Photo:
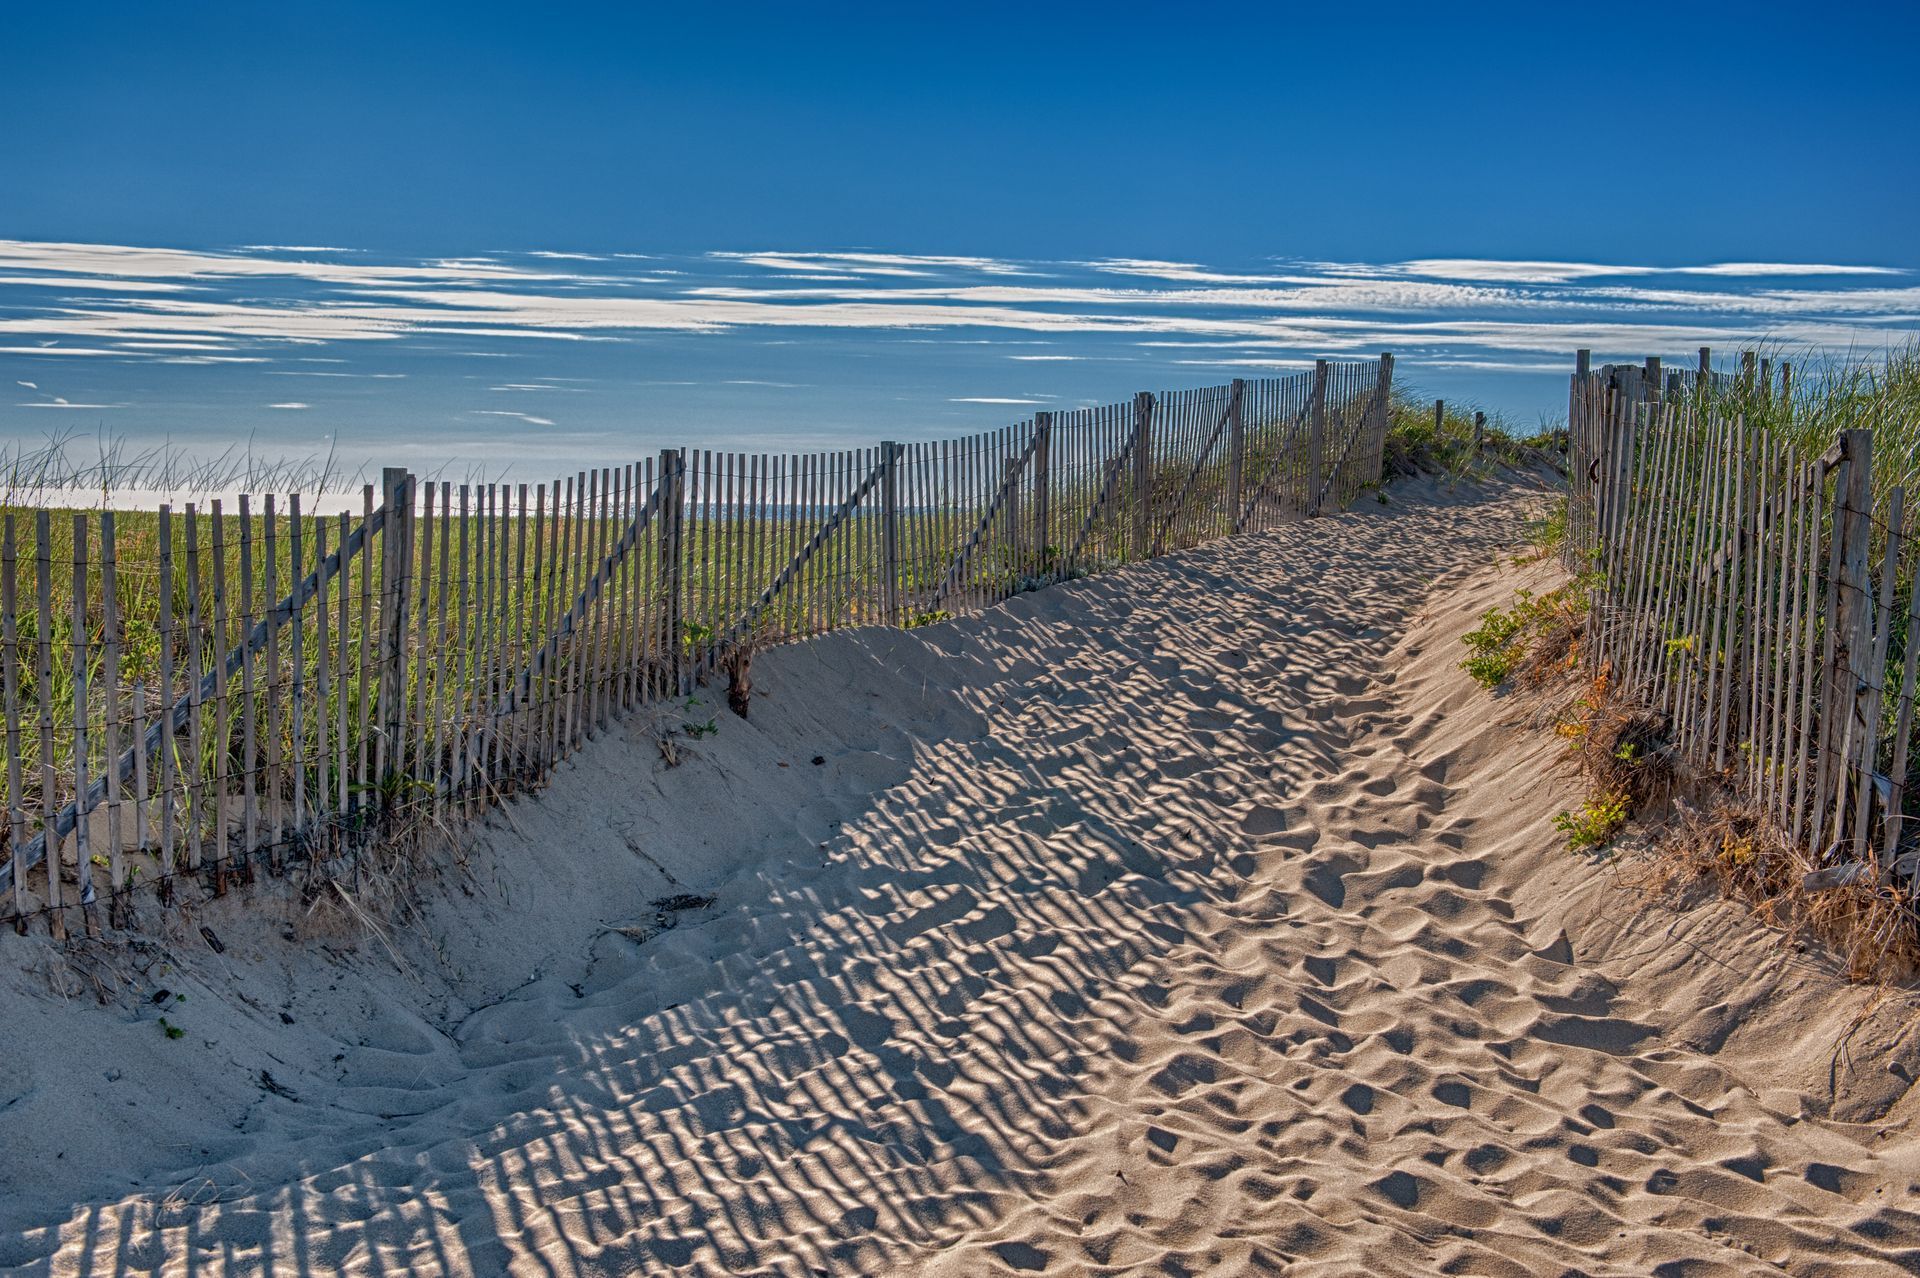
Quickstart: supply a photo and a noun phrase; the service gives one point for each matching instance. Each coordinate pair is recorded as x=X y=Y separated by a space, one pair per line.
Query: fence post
x=673 y=516
x=1479 y=430
x=1042 y=493
x=1383 y=411
x=1852 y=619
x=1317 y=436
x=1579 y=458
x=1236 y=453
x=1142 y=472
x=1603 y=421
x=396 y=556
x=889 y=533
x=1582 y=370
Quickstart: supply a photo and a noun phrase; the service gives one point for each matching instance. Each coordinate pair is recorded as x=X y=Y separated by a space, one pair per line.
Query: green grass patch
x=1534 y=633
x=1593 y=825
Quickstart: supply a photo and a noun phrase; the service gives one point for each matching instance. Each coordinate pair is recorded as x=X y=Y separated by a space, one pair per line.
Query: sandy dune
x=1198 y=919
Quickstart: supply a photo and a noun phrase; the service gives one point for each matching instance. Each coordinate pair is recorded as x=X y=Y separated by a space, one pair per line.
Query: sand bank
x=1202 y=918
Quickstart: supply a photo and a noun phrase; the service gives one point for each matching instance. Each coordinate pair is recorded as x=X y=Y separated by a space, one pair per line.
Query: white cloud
x=1310 y=294
x=28 y=385
x=1488 y=270
x=290 y=404
x=124 y=262
x=991 y=399
x=1537 y=272
x=58 y=402
x=874 y=263
x=76 y=281
x=1189 y=272
x=525 y=417
x=1783 y=268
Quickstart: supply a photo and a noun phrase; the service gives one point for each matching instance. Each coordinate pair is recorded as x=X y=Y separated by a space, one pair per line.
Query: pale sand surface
x=1198 y=919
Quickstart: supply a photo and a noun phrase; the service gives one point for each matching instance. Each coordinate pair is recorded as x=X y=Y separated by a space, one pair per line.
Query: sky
x=798 y=226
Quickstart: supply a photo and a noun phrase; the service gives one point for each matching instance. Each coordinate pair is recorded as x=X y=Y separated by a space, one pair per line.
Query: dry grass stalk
x=1704 y=831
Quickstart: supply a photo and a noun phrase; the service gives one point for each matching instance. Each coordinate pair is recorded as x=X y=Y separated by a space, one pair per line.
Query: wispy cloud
x=1186 y=272
x=1783 y=268
x=290 y=404
x=1528 y=272
x=59 y=402
x=123 y=262
x=158 y=327
x=240 y=317
x=83 y=282
x=528 y=418
x=875 y=263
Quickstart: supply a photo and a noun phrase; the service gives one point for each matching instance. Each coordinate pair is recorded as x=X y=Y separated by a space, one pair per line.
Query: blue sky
x=1291 y=175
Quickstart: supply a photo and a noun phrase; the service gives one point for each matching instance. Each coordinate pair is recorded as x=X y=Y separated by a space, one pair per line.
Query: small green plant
x=1593 y=824
x=1492 y=642
x=707 y=729
x=1549 y=532
x=1537 y=629
x=170 y=1029
x=928 y=618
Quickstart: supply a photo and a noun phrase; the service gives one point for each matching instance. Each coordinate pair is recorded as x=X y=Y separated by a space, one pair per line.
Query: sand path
x=1197 y=919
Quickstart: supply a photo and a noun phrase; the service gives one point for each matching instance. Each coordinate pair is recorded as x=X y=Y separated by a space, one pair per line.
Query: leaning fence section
x=197 y=695
x=1755 y=593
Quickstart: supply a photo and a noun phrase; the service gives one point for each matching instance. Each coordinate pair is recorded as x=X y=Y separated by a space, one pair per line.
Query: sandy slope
x=1197 y=919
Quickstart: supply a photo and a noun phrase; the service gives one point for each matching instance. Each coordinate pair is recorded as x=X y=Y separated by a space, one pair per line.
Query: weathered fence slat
x=10 y=670
x=1873 y=677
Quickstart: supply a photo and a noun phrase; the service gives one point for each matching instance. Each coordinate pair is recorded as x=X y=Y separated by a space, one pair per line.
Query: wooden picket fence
x=1756 y=597
x=192 y=696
